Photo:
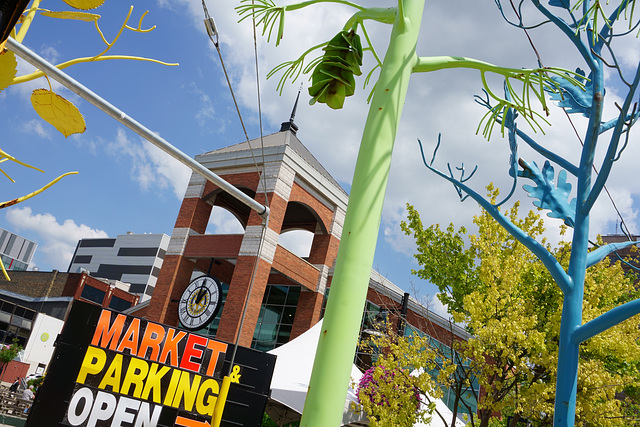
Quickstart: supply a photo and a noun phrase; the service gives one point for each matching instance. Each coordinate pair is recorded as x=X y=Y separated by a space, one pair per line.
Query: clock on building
x=199 y=303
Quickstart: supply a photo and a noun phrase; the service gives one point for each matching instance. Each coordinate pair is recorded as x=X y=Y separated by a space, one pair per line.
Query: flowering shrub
x=389 y=397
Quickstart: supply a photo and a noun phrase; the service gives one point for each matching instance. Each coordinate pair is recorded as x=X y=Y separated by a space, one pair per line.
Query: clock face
x=199 y=303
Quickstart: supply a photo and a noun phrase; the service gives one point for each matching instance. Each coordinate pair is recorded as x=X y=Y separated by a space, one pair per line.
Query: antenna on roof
x=285 y=126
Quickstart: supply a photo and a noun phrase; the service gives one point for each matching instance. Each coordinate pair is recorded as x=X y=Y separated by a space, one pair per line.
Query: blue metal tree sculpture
x=593 y=28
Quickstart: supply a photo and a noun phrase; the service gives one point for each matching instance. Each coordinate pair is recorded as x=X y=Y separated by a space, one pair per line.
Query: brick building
x=288 y=291
x=52 y=292
x=284 y=293
x=628 y=256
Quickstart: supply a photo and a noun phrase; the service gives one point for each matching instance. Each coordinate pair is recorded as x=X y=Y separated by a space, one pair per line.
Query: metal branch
x=563 y=280
x=605 y=321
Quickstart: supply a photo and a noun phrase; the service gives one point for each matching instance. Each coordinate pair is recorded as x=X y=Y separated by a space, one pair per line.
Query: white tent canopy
x=291 y=376
x=290 y=383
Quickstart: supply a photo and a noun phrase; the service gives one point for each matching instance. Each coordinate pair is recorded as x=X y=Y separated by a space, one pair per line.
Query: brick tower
x=301 y=196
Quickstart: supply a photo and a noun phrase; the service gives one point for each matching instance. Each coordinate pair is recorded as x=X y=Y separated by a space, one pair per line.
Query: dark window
x=155 y=271
x=12 y=240
x=161 y=253
x=82 y=259
x=97 y=243
x=137 y=288
x=118 y=304
x=93 y=294
x=137 y=251
x=149 y=290
x=30 y=248
x=114 y=271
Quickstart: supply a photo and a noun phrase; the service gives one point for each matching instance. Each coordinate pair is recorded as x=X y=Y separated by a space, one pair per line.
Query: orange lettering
x=216 y=347
x=171 y=347
x=108 y=336
x=152 y=339
x=130 y=339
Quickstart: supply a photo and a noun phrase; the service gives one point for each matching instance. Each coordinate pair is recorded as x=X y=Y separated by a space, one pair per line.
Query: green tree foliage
x=8 y=353
x=512 y=308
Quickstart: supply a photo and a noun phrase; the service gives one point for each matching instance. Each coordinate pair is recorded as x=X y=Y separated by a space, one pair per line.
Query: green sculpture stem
x=303 y=4
x=341 y=325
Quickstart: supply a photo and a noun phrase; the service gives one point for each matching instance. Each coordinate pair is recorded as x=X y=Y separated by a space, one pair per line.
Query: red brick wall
x=296 y=268
x=194 y=214
x=173 y=278
x=14 y=369
x=324 y=249
x=238 y=291
x=307 y=312
x=299 y=194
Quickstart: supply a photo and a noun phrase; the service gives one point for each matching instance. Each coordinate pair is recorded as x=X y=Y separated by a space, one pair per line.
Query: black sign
x=110 y=369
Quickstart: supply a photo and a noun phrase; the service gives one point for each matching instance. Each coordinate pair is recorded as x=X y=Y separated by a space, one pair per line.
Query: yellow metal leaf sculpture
x=70 y=14
x=57 y=111
x=8 y=67
x=84 y=4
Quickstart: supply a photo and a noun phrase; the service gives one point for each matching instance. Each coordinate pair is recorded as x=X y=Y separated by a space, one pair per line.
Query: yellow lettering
x=187 y=390
x=153 y=383
x=94 y=360
x=136 y=373
x=171 y=390
x=206 y=400
x=113 y=375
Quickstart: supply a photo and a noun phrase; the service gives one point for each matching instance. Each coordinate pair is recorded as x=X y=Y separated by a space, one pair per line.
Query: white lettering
x=82 y=395
x=103 y=408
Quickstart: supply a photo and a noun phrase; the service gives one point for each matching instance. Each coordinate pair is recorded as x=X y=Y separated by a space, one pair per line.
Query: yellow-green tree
x=512 y=308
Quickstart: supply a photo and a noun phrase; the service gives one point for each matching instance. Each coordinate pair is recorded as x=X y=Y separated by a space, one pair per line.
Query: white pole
x=64 y=79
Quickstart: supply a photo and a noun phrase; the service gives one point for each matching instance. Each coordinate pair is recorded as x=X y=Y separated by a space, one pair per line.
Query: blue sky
x=125 y=184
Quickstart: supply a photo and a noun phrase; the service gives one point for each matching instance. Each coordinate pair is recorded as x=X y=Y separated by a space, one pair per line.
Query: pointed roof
x=286 y=139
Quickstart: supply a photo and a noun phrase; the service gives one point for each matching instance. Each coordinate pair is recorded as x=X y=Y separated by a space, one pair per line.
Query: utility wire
x=213 y=35
x=212 y=31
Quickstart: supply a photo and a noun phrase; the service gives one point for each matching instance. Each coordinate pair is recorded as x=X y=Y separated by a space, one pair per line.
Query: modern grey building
x=16 y=251
x=131 y=258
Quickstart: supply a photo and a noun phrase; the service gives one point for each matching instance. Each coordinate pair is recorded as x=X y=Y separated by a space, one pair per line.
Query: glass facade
x=276 y=317
x=275 y=320
x=469 y=395
x=13 y=264
x=373 y=321
x=15 y=323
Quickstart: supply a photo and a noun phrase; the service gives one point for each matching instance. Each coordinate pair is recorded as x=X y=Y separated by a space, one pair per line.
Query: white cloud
x=297 y=241
x=151 y=167
x=57 y=240
x=436 y=306
x=222 y=221
x=37 y=127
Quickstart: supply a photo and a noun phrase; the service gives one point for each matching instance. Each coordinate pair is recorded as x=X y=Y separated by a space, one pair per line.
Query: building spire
x=285 y=126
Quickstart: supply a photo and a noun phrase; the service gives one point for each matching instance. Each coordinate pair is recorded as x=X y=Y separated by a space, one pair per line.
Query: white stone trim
x=196 y=186
x=251 y=243
x=178 y=242
x=321 y=287
x=338 y=223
